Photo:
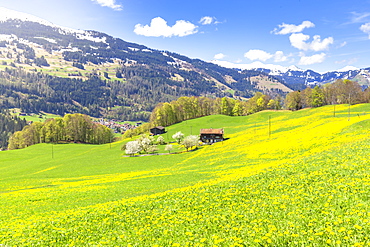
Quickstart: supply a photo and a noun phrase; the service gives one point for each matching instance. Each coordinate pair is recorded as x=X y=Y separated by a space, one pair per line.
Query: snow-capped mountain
x=12 y=15
x=8 y=14
x=299 y=79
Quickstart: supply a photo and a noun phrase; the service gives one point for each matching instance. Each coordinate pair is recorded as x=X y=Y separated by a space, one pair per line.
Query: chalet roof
x=158 y=127
x=212 y=131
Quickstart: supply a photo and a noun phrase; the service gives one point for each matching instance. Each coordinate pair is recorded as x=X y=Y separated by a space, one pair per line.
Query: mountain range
x=46 y=67
x=297 y=78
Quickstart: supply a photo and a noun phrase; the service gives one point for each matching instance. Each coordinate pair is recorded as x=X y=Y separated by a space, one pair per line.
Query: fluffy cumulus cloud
x=366 y=28
x=206 y=20
x=291 y=28
x=298 y=40
x=308 y=60
x=158 y=27
x=219 y=56
x=264 y=56
x=109 y=3
x=257 y=55
x=280 y=57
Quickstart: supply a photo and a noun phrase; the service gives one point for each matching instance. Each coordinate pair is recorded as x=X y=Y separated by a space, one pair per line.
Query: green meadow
x=280 y=178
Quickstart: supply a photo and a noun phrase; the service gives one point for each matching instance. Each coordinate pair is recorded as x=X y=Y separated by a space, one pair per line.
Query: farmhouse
x=211 y=135
x=158 y=130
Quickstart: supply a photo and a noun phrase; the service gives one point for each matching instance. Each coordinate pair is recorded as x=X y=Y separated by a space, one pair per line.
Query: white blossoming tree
x=160 y=140
x=168 y=148
x=178 y=136
x=190 y=141
x=132 y=148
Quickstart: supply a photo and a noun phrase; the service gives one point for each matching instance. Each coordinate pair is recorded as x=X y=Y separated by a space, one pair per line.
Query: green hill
x=300 y=179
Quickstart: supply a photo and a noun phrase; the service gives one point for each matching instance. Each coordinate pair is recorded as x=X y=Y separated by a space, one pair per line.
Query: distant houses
x=211 y=135
x=158 y=130
x=117 y=125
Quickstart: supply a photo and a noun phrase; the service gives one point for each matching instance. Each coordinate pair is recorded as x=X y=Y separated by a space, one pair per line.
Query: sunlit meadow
x=280 y=179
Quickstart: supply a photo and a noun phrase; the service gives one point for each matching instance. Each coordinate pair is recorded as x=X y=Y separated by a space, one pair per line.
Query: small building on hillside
x=211 y=135
x=158 y=130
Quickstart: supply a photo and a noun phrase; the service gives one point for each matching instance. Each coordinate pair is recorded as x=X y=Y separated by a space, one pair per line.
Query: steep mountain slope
x=94 y=73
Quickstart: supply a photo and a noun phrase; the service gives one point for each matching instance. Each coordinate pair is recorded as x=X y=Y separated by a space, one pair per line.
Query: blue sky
x=319 y=35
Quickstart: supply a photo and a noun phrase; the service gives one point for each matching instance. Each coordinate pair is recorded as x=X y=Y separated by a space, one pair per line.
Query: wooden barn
x=158 y=130
x=211 y=135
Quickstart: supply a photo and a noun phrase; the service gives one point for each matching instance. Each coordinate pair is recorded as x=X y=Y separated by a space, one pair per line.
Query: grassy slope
x=251 y=189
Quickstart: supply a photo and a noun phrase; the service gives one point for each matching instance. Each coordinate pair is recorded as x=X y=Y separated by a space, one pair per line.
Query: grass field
x=300 y=179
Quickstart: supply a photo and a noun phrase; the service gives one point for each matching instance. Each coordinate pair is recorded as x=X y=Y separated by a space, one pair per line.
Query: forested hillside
x=8 y=125
x=59 y=70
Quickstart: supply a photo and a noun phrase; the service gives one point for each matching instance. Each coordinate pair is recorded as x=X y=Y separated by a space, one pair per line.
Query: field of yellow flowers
x=281 y=179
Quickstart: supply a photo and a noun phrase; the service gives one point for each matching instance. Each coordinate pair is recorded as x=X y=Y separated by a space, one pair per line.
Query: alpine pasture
x=280 y=179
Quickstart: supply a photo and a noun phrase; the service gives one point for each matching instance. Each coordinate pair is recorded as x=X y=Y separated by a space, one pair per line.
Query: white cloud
x=366 y=28
x=258 y=55
x=291 y=28
x=109 y=3
x=280 y=57
x=318 y=45
x=219 y=56
x=342 y=44
x=359 y=17
x=346 y=61
x=317 y=58
x=264 y=56
x=206 y=20
x=298 y=40
x=158 y=27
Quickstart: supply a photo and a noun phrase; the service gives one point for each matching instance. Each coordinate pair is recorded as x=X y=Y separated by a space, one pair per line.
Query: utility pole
x=334 y=110
x=269 y=126
x=349 y=107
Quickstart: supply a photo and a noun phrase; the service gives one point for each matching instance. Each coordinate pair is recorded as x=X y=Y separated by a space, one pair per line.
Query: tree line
x=338 y=92
x=71 y=128
x=8 y=125
x=184 y=108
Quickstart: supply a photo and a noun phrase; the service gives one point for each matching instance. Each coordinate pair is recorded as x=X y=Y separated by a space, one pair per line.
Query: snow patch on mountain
x=274 y=69
x=8 y=14
x=87 y=36
x=348 y=68
x=133 y=49
x=47 y=39
x=6 y=37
